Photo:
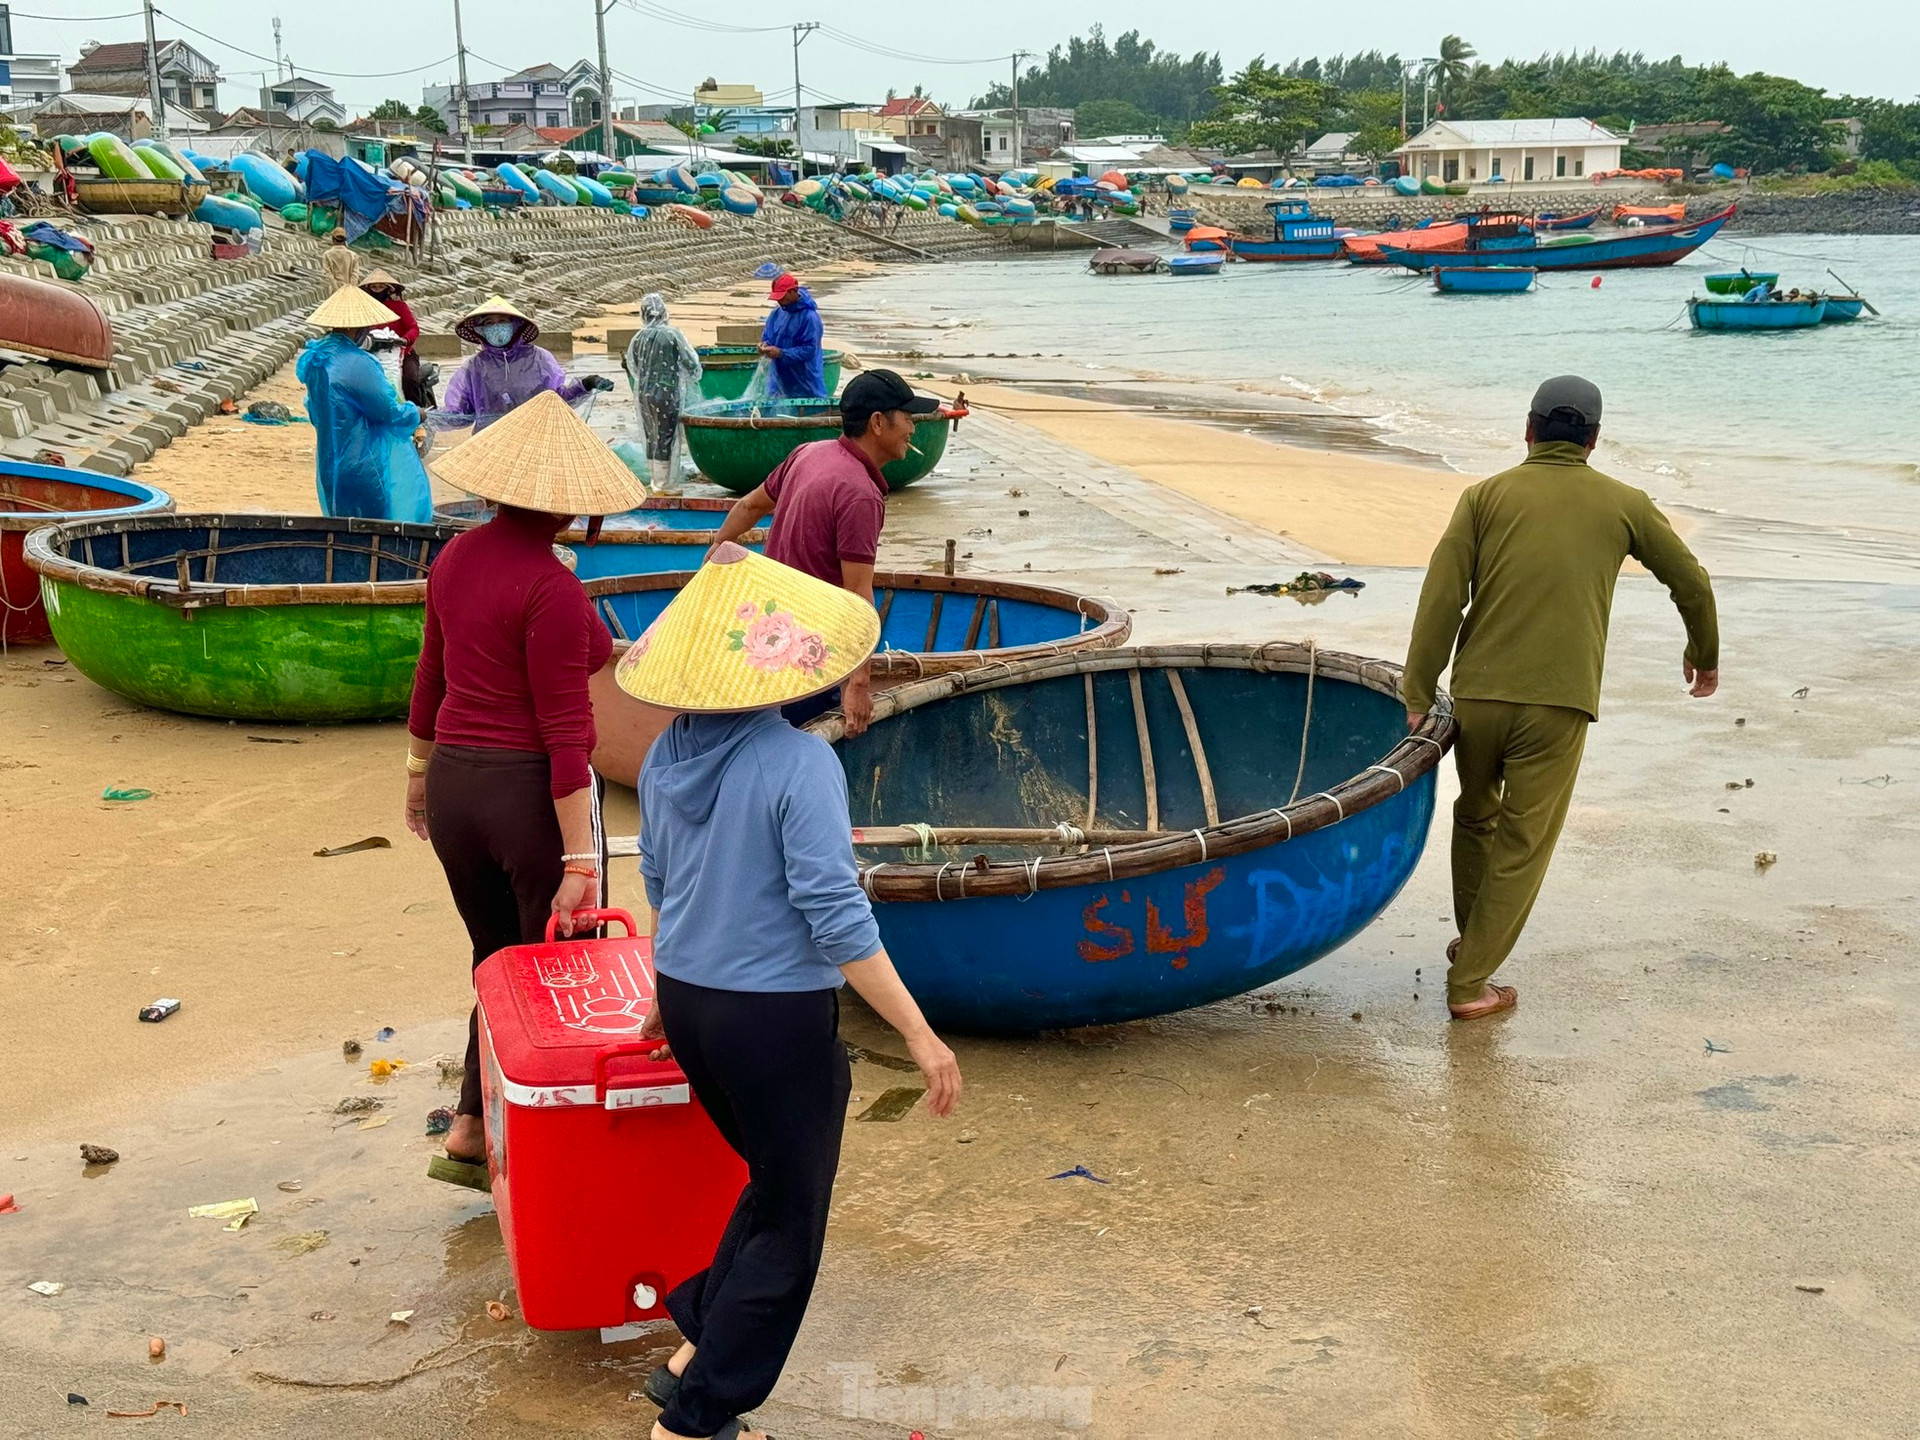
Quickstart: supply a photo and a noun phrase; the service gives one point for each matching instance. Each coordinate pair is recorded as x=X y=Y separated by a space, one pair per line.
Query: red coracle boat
x=57 y=321
x=33 y=496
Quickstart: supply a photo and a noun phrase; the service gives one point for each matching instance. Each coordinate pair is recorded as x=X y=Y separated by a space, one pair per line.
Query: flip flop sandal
x=471 y=1173
x=1508 y=998
x=734 y=1429
x=662 y=1385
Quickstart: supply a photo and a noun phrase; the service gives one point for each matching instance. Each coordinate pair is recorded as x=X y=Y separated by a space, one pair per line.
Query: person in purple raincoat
x=509 y=370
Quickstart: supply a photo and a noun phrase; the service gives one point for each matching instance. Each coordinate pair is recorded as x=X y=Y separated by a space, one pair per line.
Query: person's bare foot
x=682 y=1358
x=467 y=1140
x=1492 y=1001
x=660 y=1432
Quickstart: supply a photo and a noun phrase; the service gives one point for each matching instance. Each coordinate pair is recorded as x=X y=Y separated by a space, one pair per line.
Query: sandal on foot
x=1495 y=999
x=1453 y=949
x=662 y=1385
x=471 y=1173
x=734 y=1429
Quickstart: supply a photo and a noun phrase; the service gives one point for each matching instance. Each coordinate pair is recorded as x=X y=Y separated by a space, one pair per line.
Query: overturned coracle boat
x=1127 y=833
x=34 y=496
x=929 y=625
x=242 y=617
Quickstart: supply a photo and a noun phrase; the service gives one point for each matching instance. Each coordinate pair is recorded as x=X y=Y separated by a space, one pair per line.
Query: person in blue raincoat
x=791 y=340
x=365 y=464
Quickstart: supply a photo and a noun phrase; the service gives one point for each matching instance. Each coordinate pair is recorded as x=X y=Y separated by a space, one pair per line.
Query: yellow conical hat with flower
x=748 y=633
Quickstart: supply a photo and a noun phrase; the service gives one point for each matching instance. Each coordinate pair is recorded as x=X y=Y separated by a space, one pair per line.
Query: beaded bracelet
x=590 y=857
x=581 y=870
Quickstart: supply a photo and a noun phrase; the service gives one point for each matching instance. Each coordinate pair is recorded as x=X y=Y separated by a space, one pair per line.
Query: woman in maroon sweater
x=501 y=727
x=390 y=293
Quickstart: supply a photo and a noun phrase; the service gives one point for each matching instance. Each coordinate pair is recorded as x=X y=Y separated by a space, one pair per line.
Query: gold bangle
x=416 y=765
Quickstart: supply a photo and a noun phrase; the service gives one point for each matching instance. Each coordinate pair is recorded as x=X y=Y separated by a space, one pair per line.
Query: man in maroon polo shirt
x=828 y=505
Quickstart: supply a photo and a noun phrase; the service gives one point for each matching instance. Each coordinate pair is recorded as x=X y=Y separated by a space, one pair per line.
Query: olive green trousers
x=1517 y=765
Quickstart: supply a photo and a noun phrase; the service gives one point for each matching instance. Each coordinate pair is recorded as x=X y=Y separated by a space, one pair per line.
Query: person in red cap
x=791 y=340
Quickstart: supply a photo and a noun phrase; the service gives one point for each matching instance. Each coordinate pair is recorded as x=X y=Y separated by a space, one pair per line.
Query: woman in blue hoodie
x=791 y=340
x=746 y=849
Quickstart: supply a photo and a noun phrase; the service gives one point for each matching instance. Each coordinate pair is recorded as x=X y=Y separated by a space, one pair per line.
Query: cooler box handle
x=638 y=1097
x=594 y=917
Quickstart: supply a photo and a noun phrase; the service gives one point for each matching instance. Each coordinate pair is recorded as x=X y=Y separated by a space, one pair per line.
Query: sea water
x=1791 y=454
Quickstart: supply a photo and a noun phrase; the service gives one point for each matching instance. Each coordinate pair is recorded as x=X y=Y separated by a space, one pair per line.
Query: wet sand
x=1329 y=1211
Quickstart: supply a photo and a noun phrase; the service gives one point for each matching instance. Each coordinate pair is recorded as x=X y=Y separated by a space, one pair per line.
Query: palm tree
x=1454 y=62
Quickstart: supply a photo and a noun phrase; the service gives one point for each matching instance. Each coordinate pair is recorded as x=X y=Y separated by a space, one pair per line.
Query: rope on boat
x=1070 y=835
x=1338 y=808
x=1299 y=775
x=867 y=872
x=924 y=834
x=1389 y=770
x=1201 y=836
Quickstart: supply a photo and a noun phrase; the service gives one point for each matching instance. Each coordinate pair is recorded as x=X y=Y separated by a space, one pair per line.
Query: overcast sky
x=1851 y=46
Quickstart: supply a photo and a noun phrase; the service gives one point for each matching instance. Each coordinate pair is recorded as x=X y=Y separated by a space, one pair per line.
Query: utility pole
x=154 y=98
x=1018 y=56
x=278 y=63
x=1426 y=88
x=460 y=47
x=606 y=80
x=801 y=30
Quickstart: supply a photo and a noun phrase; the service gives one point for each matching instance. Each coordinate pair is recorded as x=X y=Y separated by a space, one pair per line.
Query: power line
x=80 y=19
x=860 y=42
x=693 y=22
x=312 y=70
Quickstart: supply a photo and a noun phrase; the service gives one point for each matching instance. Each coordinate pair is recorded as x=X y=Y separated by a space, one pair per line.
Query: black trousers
x=490 y=817
x=771 y=1071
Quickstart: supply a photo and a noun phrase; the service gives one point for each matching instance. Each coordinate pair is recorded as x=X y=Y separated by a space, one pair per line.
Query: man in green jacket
x=1531 y=555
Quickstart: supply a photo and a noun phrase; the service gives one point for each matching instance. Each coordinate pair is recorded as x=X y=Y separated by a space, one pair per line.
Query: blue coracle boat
x=1180 y=221
x=1298 y=234
x=668 y=533
x=1714 y=313
x=1127 y=833
x=1484 y=280
x=1842 y=308
x=929 y=625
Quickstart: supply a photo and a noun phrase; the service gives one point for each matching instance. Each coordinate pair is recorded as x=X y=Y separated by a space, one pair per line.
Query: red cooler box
x=611 y=1183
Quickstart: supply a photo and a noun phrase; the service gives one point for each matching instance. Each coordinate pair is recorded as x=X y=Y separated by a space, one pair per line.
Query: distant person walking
x=339 y=264
x=791 y=340
x=1531 y=555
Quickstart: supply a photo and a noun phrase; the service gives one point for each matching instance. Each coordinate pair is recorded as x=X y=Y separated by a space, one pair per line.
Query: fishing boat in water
x=668 y=533
x=1298 y=235
x=1580 y=221
x=54 y=321
x=930 y=624
x=1366 y=249
x=1484 y=279
x=1098 y=837
x=1650 y=214
x=738 y=443
x=1842 y=308
x=1205 y=238
x=242 y=617
x=1729 y=313
x=1517 y=244
x=1124 y=262
x=35 y=496
x=1196 y=264
x=1739 y=282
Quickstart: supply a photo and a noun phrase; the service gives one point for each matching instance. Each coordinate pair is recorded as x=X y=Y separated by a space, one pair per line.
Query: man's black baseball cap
x=872 y=392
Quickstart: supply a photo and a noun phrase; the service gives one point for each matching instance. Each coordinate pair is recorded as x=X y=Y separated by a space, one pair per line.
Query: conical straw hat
x=748 y=633
x=351 y=308
x=467 y=326
x=381 y=277
x=541 y=456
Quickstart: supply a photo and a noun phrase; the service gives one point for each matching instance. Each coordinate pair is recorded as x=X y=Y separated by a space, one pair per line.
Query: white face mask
x=499 y=336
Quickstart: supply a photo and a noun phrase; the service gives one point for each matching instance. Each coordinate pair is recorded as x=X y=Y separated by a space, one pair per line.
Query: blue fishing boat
x=668 y=533
x=1713 y=313
x=1504 y=245
x=1842 y=308
x=1483 y=280
x=1298 y=234
x=929 y=625
x=1181 y=221
x=1196 y=264
x=1099 y=837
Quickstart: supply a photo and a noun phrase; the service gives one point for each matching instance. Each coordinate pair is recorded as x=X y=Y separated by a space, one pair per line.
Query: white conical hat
x=351 y=308
x=541 y=456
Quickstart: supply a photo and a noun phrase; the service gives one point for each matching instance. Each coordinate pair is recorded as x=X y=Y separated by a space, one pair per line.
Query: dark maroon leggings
x=490 y=817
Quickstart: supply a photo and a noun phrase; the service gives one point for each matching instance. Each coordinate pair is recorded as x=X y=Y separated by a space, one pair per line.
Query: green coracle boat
x=727 y=370
x=242 y=617
x=1739 y=282
x=738 y=443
